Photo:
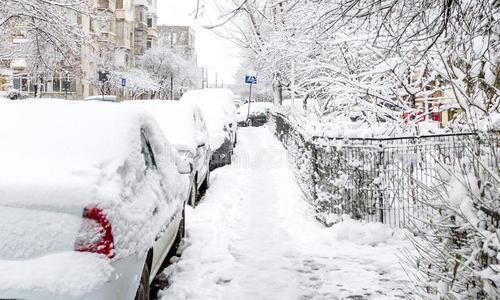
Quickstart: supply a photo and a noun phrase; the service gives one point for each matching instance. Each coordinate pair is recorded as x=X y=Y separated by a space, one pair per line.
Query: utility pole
x=172 y=87
x=216 y=80
x=293 y=87
x=202 y=77
x=206 y=77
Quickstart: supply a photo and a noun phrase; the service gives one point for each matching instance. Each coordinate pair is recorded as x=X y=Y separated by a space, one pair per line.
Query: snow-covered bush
x=459 y=245
x=15 y=94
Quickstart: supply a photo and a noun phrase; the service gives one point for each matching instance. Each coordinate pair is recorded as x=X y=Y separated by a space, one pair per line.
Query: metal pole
x=249 y=100
x=202 y=78
x=206 y=77
x=293 y=86
x=172 y=87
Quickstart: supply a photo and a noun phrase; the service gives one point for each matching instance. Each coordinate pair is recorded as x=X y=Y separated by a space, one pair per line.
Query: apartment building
x=121 y=32
x=181 y=39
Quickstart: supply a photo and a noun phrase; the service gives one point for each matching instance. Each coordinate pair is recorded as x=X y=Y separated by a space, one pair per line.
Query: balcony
x=107 y=37
x=152 y=32
x=106 y=5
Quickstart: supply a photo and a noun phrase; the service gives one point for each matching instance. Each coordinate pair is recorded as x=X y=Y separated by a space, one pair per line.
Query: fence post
x=380 y=166
x=314 y=162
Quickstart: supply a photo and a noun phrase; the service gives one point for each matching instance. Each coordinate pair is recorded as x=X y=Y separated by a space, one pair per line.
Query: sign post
x=250 y=78
x=124 y=84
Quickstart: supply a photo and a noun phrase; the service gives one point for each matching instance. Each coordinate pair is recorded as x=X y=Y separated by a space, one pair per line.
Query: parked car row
x=217 y=105
x=93 y=193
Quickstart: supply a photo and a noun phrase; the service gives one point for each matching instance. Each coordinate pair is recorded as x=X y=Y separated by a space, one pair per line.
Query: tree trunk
x=277 y=93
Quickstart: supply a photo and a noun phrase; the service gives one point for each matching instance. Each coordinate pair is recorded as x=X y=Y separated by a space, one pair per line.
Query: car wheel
x=193 y=195
x=143 y=289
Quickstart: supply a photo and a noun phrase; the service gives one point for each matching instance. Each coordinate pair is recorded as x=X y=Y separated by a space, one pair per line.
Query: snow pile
x=362 y=233
x=218 y=109
x=59 y=157
x=177 y=119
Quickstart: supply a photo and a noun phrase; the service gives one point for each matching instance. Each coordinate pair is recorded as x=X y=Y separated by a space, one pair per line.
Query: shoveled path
x=253 y=237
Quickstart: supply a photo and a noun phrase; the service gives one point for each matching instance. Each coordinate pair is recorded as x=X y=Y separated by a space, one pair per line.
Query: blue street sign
x=251 y=79
x=124 y=82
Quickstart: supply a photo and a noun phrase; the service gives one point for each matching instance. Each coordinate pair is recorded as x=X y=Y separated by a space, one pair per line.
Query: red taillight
x=95 y=233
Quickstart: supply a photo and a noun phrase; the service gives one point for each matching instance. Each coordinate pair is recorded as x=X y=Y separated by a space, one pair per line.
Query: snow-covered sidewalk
x=253 y=237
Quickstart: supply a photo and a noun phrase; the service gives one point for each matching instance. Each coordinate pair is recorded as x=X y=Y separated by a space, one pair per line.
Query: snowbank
x=362 y=233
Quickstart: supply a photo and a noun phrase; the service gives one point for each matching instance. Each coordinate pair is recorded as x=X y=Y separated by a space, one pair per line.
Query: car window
x=147 y=151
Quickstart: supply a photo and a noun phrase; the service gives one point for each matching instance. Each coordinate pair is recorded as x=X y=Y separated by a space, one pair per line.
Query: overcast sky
x=213 y=52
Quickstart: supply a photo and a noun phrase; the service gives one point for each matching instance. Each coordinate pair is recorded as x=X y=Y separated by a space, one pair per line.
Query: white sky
x=213 y=52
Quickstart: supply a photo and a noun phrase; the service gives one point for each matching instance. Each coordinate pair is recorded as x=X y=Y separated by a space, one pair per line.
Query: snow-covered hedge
x=459 y=248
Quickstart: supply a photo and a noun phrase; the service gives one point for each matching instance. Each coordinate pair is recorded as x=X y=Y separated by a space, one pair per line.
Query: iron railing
x=375 y=179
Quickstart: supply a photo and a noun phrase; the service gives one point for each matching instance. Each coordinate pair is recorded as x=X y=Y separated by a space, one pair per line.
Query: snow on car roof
x=216 y=104
x=73 y=132
x=66 y=148
x=218 y=109
x=175 y=118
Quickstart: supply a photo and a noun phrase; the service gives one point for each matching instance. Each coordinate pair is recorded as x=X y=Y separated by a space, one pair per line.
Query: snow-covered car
x=257 y=116
x=92 y=200
x=219 y=111
x=110 y=98
x=185 y=128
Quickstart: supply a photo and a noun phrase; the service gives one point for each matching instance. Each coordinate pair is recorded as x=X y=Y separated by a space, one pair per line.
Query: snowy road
x=253 y=237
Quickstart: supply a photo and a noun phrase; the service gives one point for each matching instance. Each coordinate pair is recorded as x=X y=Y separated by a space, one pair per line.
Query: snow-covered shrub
x=15 y=94
x=459 y=245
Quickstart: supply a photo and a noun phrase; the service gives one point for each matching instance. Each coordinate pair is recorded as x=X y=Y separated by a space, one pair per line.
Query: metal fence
x=376 y=179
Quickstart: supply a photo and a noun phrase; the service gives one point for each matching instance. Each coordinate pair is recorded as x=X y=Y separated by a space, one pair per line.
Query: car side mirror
x=184 y=167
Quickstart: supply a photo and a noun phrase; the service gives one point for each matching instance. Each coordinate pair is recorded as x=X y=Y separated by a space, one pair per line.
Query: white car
x=217 y=106
x=185 y=127
x=91 y=200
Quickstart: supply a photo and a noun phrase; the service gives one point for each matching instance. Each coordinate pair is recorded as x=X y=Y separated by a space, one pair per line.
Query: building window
x=150 y=22
x=119 y=4
x=149 y=43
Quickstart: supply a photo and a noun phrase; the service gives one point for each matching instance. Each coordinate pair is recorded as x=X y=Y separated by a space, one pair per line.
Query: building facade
x=179 y=38
x=124 y=30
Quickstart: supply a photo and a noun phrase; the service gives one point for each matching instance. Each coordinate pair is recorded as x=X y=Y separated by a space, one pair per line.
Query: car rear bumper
x=121 y=284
